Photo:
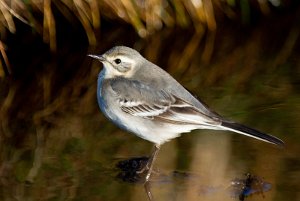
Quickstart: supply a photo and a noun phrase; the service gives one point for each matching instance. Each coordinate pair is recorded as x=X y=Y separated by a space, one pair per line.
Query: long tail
x=239 y=128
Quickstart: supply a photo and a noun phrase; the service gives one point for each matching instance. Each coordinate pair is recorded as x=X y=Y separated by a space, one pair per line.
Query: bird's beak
x=101 y=58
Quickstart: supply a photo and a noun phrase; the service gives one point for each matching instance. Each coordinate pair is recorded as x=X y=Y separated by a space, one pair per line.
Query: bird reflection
x=133 y=170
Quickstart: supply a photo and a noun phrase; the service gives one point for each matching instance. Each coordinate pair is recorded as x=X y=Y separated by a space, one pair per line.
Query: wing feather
x=138 y=99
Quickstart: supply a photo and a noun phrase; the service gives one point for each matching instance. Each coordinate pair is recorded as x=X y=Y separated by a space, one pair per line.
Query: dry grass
x=145 y=16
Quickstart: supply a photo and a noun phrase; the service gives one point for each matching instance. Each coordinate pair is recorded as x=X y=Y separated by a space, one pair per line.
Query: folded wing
x=145 y=101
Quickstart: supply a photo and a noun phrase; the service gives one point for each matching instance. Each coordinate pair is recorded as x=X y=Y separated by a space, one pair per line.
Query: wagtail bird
x=140 y=97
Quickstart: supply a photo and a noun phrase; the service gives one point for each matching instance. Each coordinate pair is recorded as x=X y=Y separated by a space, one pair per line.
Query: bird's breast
x=107 y=101
x=101 y=101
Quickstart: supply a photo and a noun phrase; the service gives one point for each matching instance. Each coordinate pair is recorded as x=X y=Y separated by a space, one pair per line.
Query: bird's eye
x=117 y=61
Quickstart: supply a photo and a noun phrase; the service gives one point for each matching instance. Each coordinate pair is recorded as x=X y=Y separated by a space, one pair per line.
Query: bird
x=142 y=98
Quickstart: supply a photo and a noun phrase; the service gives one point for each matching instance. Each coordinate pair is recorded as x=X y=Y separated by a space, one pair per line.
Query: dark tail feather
x=239 y=128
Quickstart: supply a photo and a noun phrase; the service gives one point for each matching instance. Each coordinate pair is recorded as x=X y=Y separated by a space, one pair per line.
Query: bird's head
x=119 y=61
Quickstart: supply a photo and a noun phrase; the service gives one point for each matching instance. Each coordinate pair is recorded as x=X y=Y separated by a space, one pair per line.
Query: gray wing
x=146 y=101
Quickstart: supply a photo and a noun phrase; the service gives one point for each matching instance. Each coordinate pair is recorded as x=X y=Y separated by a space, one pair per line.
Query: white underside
x=153 y=131
x=148 y=129
x=167 y=132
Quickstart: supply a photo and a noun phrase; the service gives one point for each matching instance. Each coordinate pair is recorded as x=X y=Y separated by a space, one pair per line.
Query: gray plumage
x=144 y=99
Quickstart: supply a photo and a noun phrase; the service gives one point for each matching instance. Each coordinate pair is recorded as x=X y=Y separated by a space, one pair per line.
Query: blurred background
x=241 y=57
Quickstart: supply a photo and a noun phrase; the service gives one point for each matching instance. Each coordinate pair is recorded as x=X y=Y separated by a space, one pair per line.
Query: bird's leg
x=149 y=165
x=148 y=191
x=151 y=161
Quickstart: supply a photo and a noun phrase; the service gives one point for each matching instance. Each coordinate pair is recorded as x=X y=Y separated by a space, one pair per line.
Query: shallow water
x=80 y=157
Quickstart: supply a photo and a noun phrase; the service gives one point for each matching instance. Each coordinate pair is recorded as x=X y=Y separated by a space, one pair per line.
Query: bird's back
x=161 y=78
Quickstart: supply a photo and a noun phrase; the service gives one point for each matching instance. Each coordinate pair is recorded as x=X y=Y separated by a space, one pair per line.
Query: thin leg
x=150 y=166
x=151 y=162
x=148 y=191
